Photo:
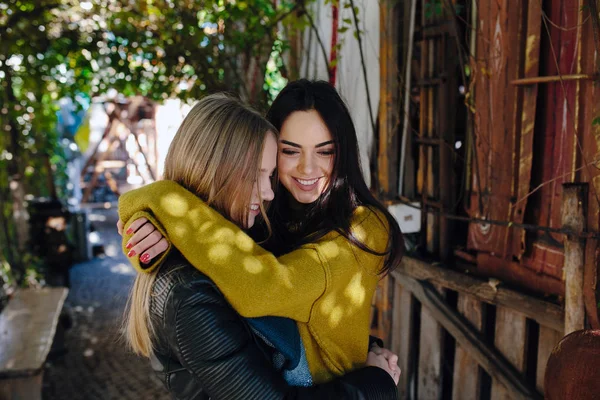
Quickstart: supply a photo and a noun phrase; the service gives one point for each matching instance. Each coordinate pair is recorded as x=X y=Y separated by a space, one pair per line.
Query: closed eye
x=289 y=151
x=327 y=152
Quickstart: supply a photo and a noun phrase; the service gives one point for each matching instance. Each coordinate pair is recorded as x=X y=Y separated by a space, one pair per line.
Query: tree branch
x=296 y=7
x=362 y=62
x=321 y=45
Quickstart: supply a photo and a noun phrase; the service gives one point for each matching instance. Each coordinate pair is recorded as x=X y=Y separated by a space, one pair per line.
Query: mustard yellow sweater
x=325 y=286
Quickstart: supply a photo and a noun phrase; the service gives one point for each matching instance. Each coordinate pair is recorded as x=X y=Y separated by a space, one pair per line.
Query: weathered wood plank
x=545 y=313
x=498 y=32
x=511 y=340
x=524 y=273
x=25 y=388
x=402 y=343
x=496 y=365
x=466 y=384
x=27 y=327
x=591 y=277
x=382 y=300
x=389 y=103
x=573 y=213
x=588 y=62
x=528 y=115
x=430 y=356
x=548 y=338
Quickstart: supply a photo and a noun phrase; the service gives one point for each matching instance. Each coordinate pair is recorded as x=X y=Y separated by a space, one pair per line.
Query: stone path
x=97 y=364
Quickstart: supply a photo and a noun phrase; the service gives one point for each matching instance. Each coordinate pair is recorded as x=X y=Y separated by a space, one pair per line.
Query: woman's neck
x=296 y=207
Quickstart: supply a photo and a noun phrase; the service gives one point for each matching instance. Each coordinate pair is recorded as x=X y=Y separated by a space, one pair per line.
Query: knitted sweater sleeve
x=253 y=280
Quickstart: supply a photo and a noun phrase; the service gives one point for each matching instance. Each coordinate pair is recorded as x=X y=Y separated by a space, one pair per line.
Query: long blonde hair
x=215 y=154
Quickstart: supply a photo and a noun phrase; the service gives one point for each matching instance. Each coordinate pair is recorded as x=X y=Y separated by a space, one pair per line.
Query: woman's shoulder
x=369 y=217
x=177 y=279
x=180 y=290
x=370 y=226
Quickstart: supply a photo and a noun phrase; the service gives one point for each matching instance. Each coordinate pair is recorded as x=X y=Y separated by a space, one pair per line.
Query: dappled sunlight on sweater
x=284 y=275
x=223 y=235
x=314 y=256
x=335 y=307
x=174 y=204
x=359 y=233
x=243 y=242
x=355 y=291
x=328 y=303
x=252 y=265
x=196 y=219
x=180 y=230
x=333 y=311
x=330 y=250
x=336 y=316
x=201 y=234
x=219 y=254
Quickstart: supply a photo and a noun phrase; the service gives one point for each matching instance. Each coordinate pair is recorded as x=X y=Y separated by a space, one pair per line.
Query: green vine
x=50 y=49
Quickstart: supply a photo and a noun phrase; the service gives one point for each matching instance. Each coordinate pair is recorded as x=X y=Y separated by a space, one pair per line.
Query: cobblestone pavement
x=97 y=364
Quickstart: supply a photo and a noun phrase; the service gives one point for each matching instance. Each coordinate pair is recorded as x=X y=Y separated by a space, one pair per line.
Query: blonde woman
x=223 y=153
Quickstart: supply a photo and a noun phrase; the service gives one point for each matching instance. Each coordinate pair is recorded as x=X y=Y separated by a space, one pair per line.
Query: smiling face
x=263 y=184
x=306 y=156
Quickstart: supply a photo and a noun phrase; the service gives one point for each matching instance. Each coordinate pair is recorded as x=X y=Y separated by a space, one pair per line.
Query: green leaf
x=596 y=121
x=439 y=9
x=467 y=70
x=343 y=29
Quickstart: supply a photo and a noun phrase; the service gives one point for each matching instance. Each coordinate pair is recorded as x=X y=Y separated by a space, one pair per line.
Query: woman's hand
x=147 y=240
x=385 y=359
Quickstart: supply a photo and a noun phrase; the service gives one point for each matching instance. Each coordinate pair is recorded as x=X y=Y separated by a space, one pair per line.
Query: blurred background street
x=96 y=364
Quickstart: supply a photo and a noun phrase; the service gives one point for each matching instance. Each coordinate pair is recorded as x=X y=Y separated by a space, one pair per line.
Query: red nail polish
x=145 y=258
x=131 y=253
x=129 y=231
x=129 y=245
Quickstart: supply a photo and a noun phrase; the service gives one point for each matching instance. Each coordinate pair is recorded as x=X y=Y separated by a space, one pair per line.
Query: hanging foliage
x=52 y=49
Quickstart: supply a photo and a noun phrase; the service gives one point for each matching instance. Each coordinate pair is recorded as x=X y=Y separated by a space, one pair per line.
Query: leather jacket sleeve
x=225 y=360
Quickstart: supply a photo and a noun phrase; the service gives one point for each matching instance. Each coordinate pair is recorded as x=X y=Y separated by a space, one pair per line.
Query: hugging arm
x=254 y=281
x=229 y=362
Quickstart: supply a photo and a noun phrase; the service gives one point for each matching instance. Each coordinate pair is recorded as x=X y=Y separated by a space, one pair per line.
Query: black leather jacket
x=205 y=350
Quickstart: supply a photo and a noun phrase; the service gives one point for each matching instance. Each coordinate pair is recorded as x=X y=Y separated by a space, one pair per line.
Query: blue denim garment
x=299 y=376
x=290 y=357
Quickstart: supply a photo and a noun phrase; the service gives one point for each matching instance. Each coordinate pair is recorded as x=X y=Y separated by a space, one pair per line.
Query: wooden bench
x=27 y=327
